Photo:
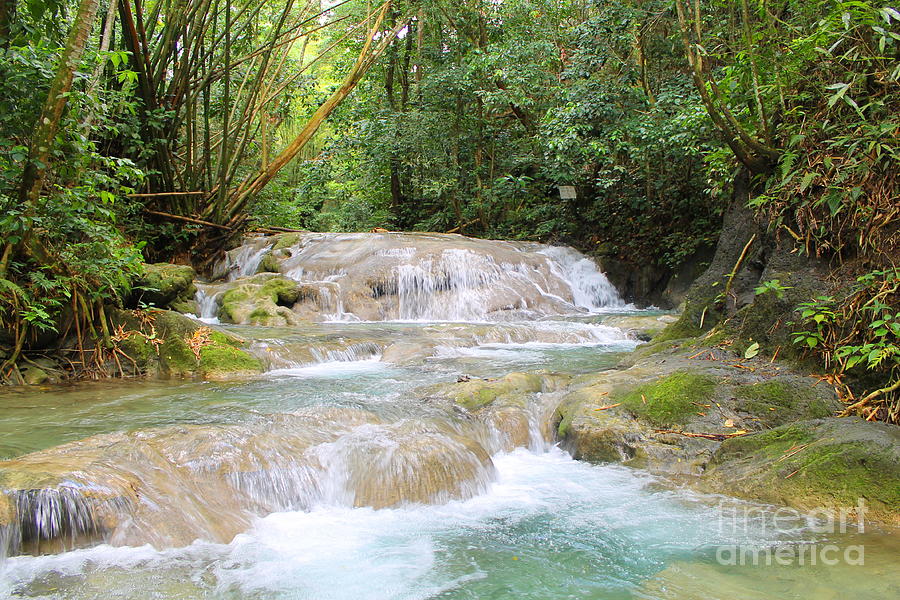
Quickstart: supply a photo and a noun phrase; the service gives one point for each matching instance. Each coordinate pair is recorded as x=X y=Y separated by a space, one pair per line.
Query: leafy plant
x=861 y=333
x=772 y=286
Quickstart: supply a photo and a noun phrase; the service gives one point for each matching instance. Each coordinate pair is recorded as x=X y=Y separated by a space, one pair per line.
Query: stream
x=338 y=474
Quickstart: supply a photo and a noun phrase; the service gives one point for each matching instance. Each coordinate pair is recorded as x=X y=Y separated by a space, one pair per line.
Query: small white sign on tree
x=567 y=192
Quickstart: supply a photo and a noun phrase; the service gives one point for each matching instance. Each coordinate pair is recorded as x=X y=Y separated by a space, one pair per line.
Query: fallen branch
x=279 y=230
x=737 y=266
x=459 y=228
x=186 y=219
x=856 y=406
x=608 y=406
x=707 y=436
x=161 y=194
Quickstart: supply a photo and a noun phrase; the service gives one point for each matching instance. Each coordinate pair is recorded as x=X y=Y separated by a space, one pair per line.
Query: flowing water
x=341 y=473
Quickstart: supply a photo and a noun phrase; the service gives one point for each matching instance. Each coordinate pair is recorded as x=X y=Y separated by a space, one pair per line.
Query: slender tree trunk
x=108 y=28
x=367 y=57
x=48 y=123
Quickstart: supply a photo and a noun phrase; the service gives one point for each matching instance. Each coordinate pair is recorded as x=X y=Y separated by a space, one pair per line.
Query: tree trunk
x=48 y=124
x=253 y=185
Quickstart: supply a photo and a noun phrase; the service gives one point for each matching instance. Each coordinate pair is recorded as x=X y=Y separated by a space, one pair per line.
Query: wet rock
x=383 y=276
x=172 y=485
x=35 y=375
x=164 y=285
x=506 y=404
x=270 y=300
x=816 y=463
x=41 y=371
x=422 y=464
x=637 y=415
x=647 y=326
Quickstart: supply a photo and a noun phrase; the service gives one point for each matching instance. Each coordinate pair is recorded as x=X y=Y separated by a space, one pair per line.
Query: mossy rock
x=269 y=264
x=783 y=399
x=189 y=307
x=287 y=240
x=281 y=291
x=476 y=394
x=816 y=463
x=669 y=401
x=222 y=357
x=266 y=300
x=594 y=426
x=165 y=283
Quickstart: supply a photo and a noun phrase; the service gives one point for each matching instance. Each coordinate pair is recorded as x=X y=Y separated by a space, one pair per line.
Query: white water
x=548 y=527
x=207 y=297
x=428 y=277
x=591 y=289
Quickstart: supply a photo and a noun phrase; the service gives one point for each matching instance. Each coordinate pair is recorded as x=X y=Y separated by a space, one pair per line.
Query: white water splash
x=590 y=288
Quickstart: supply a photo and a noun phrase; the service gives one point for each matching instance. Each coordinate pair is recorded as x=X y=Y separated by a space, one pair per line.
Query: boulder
x=158 y=341
x=639 y=415
x=507 y=405
x=164 y=285
x=270 y=300
x=810 y=464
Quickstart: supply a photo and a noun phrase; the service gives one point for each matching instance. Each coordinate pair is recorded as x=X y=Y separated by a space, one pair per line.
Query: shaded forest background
x=136 y=131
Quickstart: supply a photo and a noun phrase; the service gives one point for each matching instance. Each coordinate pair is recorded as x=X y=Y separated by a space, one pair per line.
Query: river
x=340 y=474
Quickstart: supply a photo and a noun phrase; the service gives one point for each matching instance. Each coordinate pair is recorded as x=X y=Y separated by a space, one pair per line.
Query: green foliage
x=63 y=255
x=771 y=286
x=860 y=332
x=835 y=183
x=475 y=129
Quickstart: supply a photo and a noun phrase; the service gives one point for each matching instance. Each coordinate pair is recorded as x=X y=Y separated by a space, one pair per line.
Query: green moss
x=177 y=357
x=237 y=294
x=283 y=292
x=164 y=283
x=845 y=473
x=565 y=423
x=776 y=401
x=656 y=346
x=511 y=389
x=773 y=443
x=479 y=399
x=138 y=348
x=268 y=264
x=669 y=401
x=260 y=313
x=287 y=240
x=220 y=358
x=821 y=462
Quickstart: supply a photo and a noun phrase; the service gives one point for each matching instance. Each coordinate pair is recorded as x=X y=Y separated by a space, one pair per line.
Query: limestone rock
x=816 y=463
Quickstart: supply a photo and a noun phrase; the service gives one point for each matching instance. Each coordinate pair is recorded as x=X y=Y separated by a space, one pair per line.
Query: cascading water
x=423 y=277
x=207 y=303
x=591 y=289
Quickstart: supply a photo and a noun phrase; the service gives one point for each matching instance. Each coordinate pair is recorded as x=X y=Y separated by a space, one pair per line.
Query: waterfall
x=207 y=297
x=170 y=486
x=425 y=277
x=590 y=288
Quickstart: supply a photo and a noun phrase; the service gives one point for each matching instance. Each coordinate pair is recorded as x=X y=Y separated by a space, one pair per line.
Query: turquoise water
x=547 y=528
